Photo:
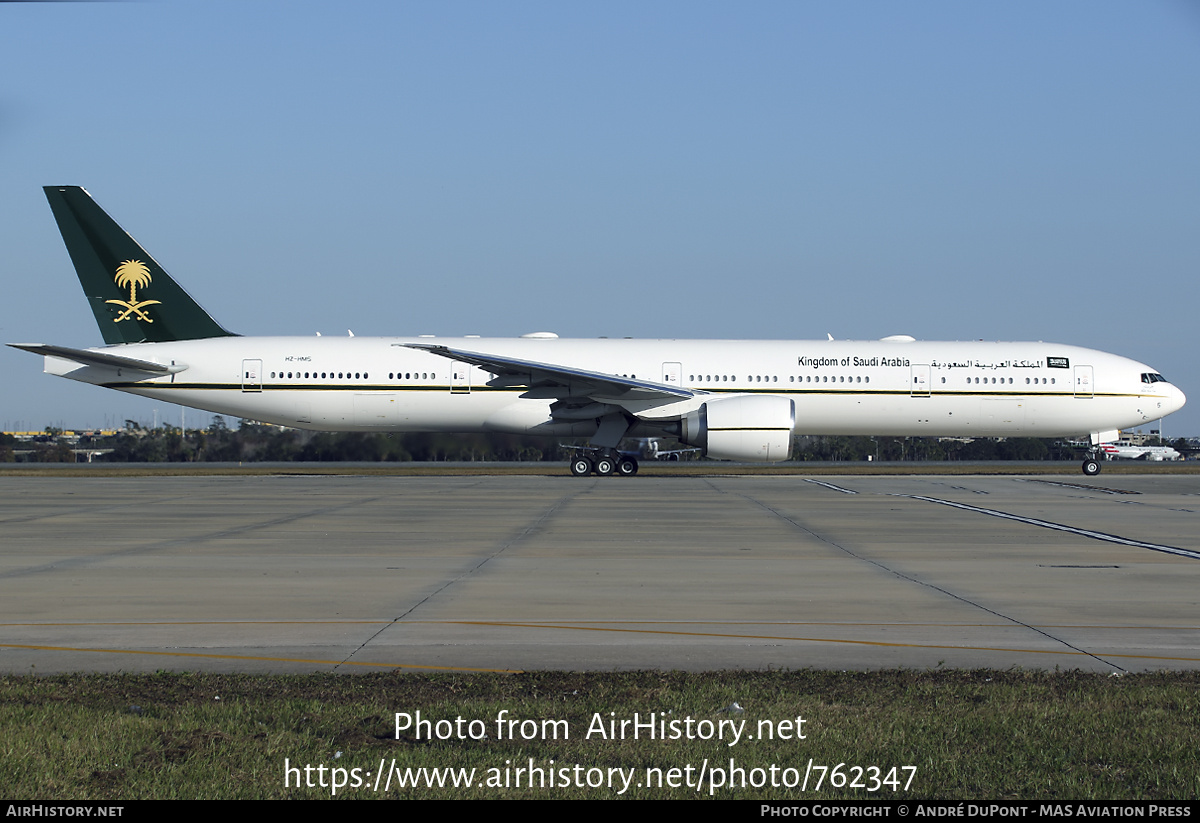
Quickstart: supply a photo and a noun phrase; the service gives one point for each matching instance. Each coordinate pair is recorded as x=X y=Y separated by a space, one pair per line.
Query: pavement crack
x=83 y=510
x=93 y=559
x=516 y=537
x=901 y=575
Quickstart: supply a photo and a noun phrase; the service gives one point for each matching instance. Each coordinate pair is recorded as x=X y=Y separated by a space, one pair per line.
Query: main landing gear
x=603 y=462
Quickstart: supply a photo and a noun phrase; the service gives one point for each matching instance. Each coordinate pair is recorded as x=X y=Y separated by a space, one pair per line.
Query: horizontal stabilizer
x=88 y=357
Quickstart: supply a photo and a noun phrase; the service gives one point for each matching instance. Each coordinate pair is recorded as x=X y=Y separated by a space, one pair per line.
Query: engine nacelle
x=753 y=428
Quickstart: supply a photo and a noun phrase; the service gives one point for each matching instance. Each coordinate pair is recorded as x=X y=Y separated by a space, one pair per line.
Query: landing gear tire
x=1091 y=467
x=605 y=466
x=627 y=467
x=581 y=467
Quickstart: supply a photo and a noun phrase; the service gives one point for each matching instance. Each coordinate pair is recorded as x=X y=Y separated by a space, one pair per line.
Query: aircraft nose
x=1177 y=398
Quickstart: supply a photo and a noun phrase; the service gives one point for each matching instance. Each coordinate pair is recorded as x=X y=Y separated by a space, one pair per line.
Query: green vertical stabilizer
x=133 y=298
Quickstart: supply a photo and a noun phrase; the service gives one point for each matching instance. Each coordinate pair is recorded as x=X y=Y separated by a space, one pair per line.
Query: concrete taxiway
x=350 y=574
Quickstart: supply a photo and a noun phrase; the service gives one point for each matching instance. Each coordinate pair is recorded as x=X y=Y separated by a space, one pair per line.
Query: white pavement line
x=831 y=486
x=1046 y=524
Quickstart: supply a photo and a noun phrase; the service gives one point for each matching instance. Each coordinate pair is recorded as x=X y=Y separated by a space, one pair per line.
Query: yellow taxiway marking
x=817 y=640
x=586 y=623
x=206 y=623
x=267 y=659
x=599 y=626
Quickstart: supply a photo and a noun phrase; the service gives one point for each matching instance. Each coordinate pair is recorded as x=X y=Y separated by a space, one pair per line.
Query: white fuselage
x=883 y=387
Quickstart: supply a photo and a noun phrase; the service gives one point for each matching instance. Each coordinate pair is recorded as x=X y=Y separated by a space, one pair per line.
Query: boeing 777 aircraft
x=732 y=399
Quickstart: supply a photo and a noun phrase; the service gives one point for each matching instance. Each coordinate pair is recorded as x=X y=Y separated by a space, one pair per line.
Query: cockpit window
x=1153 y=377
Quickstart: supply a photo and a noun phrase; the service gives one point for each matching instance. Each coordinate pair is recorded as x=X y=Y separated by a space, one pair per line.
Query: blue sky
x=1016 y=170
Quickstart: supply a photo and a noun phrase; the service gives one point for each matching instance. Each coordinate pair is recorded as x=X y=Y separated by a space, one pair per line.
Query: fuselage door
x=672 y=373
x=252 y=375
x=1084 y=387
x=920 y=380
x=460 y=378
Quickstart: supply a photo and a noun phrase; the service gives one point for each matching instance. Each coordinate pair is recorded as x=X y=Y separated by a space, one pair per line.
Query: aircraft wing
x=511 y=371
x=87 y=357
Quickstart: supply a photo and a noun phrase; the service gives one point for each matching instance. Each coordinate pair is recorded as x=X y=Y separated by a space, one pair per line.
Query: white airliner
x=1124 y=450
x=648 y=448
x=732 y=399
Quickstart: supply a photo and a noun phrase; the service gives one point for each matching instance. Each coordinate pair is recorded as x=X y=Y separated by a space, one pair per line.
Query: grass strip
x=970 y=735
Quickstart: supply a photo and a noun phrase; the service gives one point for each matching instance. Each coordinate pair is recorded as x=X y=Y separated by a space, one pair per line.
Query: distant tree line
x=930 y=448
x=254 y=442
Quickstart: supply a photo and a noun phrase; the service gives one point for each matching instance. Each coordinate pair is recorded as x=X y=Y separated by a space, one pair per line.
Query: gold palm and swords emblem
x=132 y=273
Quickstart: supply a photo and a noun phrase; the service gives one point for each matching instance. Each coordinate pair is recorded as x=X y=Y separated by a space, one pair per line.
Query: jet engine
x=753 y=428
